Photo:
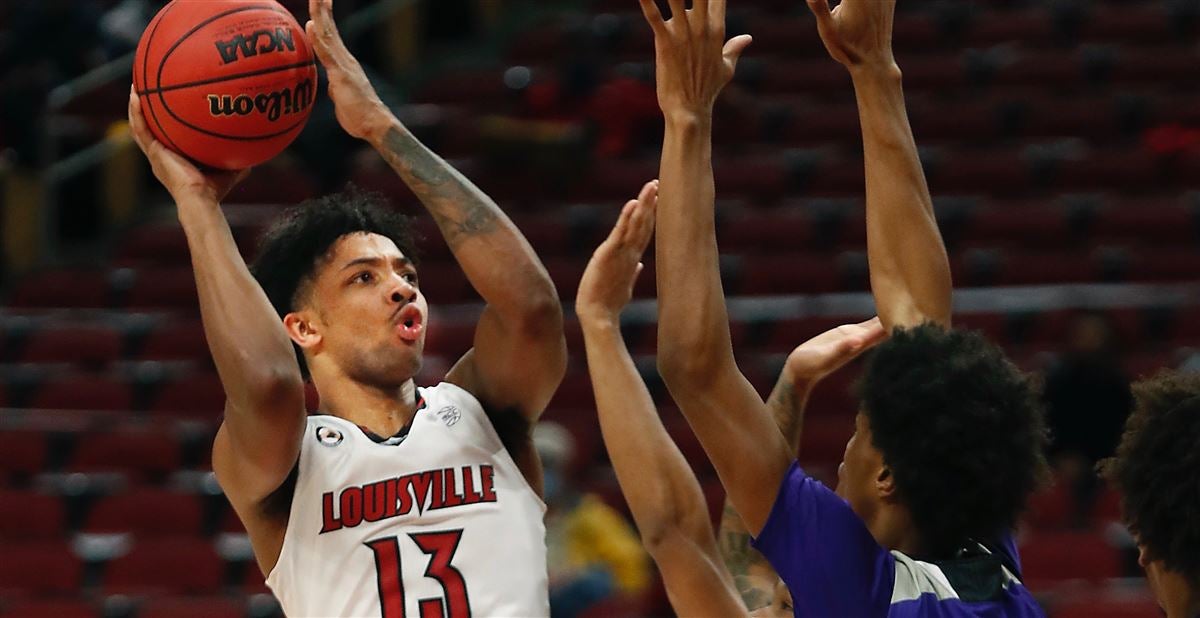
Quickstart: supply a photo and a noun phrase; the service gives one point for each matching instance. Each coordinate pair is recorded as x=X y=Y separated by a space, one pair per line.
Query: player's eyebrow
x=399 y=262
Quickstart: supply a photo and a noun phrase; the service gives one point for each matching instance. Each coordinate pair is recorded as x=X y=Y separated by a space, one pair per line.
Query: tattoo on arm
x=788 y=410
x=460 y=209
x=752 y=574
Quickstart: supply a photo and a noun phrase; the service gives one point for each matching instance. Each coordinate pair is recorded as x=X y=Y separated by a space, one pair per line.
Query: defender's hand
x=694 y=62
x=822 y=355
x=858 y=33
x=607 y=283
x=182 y=179
x=358 y=107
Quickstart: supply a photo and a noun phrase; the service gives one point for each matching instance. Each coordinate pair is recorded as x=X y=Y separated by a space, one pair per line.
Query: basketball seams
x=217 y=80
x=146 y=76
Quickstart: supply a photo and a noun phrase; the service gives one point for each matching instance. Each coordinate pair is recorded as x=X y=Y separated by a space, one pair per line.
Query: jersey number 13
x=440 y=547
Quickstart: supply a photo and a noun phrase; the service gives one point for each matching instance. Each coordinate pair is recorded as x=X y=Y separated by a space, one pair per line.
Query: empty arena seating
x=1051 y=138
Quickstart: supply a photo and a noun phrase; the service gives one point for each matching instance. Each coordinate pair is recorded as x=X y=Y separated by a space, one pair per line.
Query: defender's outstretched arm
x=663 y=494
x=520 y=353
x=910 y=273
x=695 y=355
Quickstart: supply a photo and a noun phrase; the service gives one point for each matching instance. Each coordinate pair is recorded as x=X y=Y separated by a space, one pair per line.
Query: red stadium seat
x=61 y=288
x=94 y=346
x=449 y=338
x=39 y=568
x=1108 y=606
x=1049 y=557
x=197 y=394
x=25 y=515
x=155 y=244
x=52 y=608
x=182 y=341
x=146 y=513
x=83 y=391
x=159 y=289
x=130 y=451
x=24 y=452
x=192 y=607
x=176 y=566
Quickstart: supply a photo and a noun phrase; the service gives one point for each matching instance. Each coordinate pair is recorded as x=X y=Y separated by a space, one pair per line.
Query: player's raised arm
x=658 y=484
x=910 y=274
x=806 y=366
x=694 y=353
x=520 y=353
x=259 y=441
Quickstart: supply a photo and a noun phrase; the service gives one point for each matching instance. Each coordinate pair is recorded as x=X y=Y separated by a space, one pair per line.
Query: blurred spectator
x=1087 y=398
x=593 y=553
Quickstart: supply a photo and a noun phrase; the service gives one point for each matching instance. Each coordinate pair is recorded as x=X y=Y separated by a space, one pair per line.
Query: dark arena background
x=1061 y=141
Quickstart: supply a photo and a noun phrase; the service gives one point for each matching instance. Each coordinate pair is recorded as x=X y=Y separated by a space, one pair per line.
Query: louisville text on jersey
x=430 y=490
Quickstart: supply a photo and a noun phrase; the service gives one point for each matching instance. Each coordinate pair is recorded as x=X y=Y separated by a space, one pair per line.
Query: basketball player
x=659 y=486
x=1155 y=469
x=398 y=500
x=949 y=439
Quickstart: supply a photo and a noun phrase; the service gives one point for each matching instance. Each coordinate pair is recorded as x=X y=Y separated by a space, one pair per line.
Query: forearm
x=910 y=272
x=787 y=402
x=693 y=323
x=493 y=254
x=252 y=351
x=659 y=486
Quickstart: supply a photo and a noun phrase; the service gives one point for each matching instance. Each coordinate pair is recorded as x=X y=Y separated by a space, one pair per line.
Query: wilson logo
x=274 y=104
x=261 y=42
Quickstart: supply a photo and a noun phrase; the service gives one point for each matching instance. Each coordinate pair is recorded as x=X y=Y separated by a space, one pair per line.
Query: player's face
x=1173 y=591
x=859 y=472
x=370 y=310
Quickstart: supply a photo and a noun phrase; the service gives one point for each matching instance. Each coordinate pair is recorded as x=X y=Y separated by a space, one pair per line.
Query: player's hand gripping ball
x=226 y=83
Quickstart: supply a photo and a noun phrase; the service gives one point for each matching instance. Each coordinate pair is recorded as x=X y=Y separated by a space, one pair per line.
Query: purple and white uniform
x=835 y=568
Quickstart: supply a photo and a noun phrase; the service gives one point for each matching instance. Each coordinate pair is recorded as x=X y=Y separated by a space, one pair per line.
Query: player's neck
x=893 y=528
x=383 y=411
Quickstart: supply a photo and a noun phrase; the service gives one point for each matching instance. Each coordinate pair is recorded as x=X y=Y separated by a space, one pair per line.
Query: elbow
x=541 y=315
x=686 y=367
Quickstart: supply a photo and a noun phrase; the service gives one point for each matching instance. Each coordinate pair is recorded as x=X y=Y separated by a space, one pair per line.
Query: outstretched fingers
x=653 y=17
x=641 y=223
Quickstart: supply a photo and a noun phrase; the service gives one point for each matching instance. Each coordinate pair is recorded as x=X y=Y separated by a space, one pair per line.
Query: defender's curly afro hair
x=295 y=245
x=961 y=430
x=1156 y=470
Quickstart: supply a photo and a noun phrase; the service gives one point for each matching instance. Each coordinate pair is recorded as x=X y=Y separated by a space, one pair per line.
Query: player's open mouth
x=410 y=323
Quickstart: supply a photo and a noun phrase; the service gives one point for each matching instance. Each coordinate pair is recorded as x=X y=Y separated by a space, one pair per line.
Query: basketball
x=226 y=83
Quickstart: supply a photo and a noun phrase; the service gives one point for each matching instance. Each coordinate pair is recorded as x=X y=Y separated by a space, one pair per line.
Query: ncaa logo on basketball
x=329 y=436
x=449 y=415
x=261 y=42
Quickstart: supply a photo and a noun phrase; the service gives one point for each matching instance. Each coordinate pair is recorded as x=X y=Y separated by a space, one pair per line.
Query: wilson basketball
x=227 y=83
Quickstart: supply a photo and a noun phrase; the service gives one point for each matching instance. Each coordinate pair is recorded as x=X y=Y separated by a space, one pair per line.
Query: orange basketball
x=227 y=83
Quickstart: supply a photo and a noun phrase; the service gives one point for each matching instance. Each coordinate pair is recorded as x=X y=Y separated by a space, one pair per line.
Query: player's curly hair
x=299 y=240
x=1155 y=470
x=960 y=428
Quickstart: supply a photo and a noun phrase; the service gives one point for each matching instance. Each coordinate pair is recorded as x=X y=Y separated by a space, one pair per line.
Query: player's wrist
x=598 y=320
x=879 y=69
x=379 y=124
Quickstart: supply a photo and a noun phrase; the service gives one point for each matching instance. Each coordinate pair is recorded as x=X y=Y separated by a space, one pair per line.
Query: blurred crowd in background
x=1062 y=142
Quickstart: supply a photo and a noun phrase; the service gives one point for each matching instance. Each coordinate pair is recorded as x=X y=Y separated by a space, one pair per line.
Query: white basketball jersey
x=441 y=525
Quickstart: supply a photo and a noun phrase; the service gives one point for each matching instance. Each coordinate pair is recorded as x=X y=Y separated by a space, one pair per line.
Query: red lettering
x=330 y=521
x=470 y=496
x=452 y=496
x=420 y=485
x=485 y=474
x=391 y=497
x=373 y=501
x=439 y=497
x=352 y=506
x=406 y=499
